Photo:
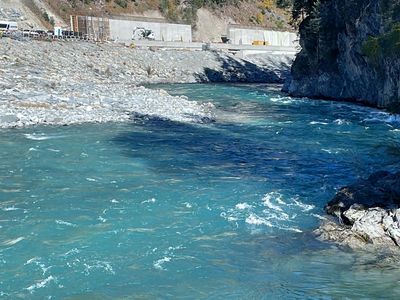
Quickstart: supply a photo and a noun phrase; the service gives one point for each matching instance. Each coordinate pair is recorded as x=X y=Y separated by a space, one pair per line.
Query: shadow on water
x=233 y=70
x=212 y=151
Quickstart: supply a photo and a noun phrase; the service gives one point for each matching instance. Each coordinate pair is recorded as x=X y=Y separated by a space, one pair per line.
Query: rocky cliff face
x=350 y=51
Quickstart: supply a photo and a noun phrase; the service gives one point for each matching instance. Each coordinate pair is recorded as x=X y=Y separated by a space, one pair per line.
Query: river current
x=221 y=210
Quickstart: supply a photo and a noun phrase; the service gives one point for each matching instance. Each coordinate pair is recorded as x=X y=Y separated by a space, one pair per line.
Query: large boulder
x=367 y=213
x=381 y=189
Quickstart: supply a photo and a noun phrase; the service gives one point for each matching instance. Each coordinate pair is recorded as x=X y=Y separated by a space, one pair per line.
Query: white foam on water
x=317 y=123
x=62 y=222
x=91 y=179
x=253 y=219
x=158 y=264
x=281 y=216
x=11 y=208
x=273 y=211
x=267 y=201
x=283 y=100
x=101 y=265
x=39 y=137
x=12 y=242
x=304 y=207
x=188 y=205
x=41 y=284
x=37 y=261
x=151 y=200
x=71 y=252
x=179 y=247
x=32 y=260
x=327 y=150
x=101 y=219
x=243 y=206
x=382 y=117
x=294 y=229
x=341 y=122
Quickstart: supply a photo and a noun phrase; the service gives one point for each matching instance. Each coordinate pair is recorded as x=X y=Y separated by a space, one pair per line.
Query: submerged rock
x=367 y=212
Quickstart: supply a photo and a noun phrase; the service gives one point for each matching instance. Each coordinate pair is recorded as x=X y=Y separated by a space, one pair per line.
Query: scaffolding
x=92 y=28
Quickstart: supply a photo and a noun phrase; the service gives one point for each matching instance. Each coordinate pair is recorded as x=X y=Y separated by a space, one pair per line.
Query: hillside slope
x=209 y=18
x=25 y=12
x=245 y=12
x=350 y=51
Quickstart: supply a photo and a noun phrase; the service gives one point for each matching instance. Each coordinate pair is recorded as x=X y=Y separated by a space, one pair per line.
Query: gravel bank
x=74 y=82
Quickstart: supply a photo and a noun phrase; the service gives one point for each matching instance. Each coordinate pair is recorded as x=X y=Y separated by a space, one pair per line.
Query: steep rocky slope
x=350 y=51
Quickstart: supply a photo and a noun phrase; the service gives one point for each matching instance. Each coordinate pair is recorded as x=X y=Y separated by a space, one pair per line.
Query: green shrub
x=390 y=42
x=371 y=48
x=122 y=3
x=384 y=45
x=46 y=16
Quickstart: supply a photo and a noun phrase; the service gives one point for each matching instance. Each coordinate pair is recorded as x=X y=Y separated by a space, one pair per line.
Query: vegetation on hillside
x=384 y=45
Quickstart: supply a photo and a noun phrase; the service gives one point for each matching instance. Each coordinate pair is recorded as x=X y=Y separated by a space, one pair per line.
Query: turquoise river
x=154 y=209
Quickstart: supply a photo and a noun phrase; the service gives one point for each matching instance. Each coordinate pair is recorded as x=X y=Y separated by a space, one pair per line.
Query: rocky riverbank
x=367 y=214
x=74 y=82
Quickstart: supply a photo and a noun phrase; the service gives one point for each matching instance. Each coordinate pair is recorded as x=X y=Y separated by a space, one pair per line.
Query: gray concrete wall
x=246 y=36
x=122 y=30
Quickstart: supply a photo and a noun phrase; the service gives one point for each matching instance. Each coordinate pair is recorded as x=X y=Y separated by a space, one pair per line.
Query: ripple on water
x=273 y=211
x=41 y=136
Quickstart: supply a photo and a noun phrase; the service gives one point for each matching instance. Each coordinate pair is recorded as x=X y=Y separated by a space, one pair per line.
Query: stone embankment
x=367 y=214
x=74 y=82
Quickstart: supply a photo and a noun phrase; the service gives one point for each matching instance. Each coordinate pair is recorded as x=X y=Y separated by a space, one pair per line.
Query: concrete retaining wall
x=246 y=36
x=122 y=30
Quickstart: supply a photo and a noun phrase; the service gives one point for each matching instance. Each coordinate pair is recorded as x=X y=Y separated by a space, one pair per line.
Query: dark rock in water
x=368 y=213
x=381 y=189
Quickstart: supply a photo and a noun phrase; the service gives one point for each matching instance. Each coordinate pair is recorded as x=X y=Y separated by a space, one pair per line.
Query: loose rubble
x=73 y=82
x=368 y=214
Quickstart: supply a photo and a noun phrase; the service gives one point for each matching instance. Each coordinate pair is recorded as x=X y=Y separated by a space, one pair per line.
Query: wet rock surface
x=66 y=82
x=367 y=214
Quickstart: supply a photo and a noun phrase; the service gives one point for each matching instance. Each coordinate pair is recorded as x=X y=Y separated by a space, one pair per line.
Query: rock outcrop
x=367 y=212
x=350 y=51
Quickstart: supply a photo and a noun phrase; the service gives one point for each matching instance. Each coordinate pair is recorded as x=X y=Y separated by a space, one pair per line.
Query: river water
x=159 y=209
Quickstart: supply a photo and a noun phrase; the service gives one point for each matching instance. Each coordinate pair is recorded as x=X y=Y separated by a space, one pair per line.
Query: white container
x=58 y=31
